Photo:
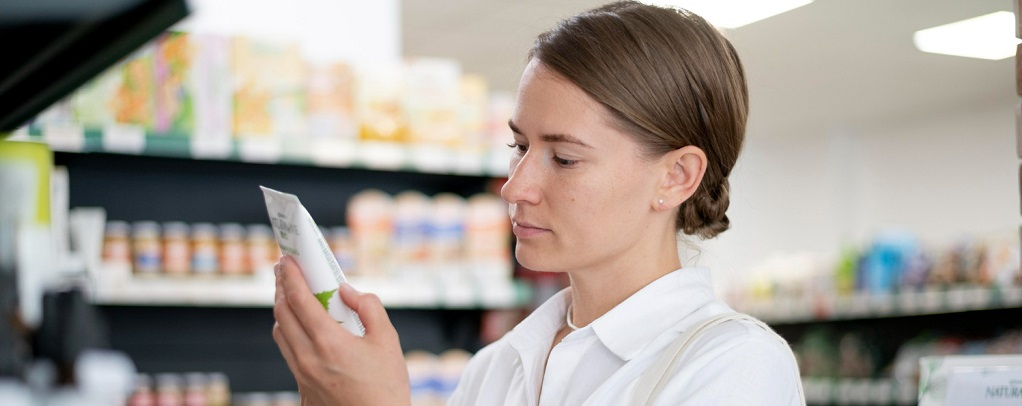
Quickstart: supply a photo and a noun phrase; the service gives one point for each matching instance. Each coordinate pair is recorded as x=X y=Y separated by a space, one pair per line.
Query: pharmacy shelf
x=258 y=291
x=868 y=306
x=330 y=153
x=844 y=391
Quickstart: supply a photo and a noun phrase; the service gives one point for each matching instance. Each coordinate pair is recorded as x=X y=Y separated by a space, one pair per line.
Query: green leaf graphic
x=324 y=297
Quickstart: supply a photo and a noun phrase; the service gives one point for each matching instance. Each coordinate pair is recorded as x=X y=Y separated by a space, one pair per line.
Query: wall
x=942 y=176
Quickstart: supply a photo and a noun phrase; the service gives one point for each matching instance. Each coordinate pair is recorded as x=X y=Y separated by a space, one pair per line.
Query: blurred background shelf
x=258 y=291
x=877 y=392
x=328 y=153
x=867 y=306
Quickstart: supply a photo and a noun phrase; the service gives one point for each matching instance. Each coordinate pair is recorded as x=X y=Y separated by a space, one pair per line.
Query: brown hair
x=670 y=80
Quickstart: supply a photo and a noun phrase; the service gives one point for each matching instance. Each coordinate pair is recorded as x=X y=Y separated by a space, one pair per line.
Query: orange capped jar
x=232 y=249
x=177 y=249
x=116 y=244
x=145 y=244
x=262 y=248
x=205 y=253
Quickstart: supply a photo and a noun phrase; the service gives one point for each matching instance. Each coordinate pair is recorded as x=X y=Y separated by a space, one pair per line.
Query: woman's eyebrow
x=551 y=137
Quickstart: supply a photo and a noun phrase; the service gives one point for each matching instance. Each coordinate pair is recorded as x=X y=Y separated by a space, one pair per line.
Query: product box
x=500 y=106
x=289 y=107
x=134 y=99
x=93 y=104
x=269 y=88
x=212 y=93
x=432 y=101
x=331 y=101
x=472 y=117
x=970 y=380
x=380 y=111
x=174 y=109
x=123 y=94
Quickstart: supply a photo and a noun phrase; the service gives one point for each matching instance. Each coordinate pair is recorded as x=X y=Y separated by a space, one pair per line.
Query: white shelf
x=258 y=291
x=382 y=156
x=859 y=391
x=864 y=305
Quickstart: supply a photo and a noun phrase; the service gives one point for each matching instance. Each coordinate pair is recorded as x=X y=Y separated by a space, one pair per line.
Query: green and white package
x=299 y=237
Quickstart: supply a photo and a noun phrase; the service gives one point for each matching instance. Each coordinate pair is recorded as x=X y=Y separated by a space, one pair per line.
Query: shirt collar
x=627 y=328
x=532 y=339
x=540 y=327
x=631 y=325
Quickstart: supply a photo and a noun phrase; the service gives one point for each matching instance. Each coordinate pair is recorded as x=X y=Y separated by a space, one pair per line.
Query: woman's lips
x=525 y=230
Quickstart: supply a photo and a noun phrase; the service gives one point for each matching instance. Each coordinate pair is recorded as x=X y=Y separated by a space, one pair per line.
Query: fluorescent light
x=990 y=36
x=733 y=13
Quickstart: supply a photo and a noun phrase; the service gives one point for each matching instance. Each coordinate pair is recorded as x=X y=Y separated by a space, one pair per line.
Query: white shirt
x=735 y=363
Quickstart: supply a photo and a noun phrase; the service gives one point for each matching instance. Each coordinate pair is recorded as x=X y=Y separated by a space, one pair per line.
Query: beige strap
x=652 y=382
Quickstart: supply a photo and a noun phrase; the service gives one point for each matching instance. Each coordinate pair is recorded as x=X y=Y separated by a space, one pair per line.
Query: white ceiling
x=831 y=65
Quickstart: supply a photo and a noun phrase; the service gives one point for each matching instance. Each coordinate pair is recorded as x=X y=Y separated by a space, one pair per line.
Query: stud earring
x=660 y=201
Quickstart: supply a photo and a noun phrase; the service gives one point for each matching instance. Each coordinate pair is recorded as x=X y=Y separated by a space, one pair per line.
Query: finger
x=370 y=310
x=286 y=350
x=289 y=328
x=308 y=311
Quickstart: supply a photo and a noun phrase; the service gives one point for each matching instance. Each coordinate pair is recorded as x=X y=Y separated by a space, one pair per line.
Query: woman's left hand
x=333 y=366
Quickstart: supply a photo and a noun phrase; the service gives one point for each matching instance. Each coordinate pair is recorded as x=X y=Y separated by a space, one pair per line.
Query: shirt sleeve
x=735 y=364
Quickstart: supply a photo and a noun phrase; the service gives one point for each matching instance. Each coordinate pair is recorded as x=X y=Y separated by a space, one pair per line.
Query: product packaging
x=177 y=252
x=331 y=101
x=431 y=101
x=134 y=99
x=253 y=65
x=378 y=104
x=212 y=94
x=970 y=380
x=146 y=247
x=205 y=258
x=299 y=237
x=173 y=100
x=232 y=250
x=371 y=218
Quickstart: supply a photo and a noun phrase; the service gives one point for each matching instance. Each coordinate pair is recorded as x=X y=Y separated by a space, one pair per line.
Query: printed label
x=989 y=386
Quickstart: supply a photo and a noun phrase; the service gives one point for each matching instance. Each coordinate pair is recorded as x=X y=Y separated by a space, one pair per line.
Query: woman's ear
x=683 y=172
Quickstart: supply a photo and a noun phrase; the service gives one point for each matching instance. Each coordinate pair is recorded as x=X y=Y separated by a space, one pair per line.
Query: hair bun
x=704 y=214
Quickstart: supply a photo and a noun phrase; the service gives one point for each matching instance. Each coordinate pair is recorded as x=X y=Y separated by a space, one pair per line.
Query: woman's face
x=580 y=194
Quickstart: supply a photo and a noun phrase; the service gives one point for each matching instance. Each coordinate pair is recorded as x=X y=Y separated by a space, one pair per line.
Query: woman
x=628 y=121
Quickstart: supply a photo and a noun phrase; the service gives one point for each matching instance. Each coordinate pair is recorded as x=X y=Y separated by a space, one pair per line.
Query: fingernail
x=276 y=270
x=347 y=287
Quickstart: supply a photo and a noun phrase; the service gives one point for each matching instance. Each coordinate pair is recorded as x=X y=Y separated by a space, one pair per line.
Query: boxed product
x=379 y=107
x=331 y=101
x=432 y=101
x=211 y=92
x=174 y=107
x=94 y=103
x=971 y=380
x=269 y=89
x=133 y=102
x=472 y=113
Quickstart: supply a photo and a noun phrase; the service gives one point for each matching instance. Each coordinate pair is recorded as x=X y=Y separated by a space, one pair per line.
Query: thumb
x=370 y=310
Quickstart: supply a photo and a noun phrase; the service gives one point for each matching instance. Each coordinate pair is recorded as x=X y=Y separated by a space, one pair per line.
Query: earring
x=660 y=201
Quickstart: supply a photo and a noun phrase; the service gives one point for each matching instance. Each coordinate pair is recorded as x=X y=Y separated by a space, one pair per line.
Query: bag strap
x=653 y=381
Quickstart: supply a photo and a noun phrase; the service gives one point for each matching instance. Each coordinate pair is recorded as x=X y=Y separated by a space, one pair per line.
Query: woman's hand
x=333 y=366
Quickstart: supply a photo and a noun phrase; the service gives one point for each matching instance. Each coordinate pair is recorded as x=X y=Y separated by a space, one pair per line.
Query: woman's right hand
x=333 y=366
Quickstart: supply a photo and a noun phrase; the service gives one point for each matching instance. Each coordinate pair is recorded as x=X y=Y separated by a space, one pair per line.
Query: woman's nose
x=523 y=179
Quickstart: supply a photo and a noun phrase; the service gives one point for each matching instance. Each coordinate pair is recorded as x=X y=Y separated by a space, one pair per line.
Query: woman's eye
x=565 y=162
x=520 y=147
